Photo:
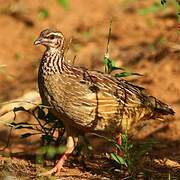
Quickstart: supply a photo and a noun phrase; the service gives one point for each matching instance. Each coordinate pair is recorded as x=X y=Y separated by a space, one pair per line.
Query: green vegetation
x=64 y=4
x=163 y=2
x=154 y=8
x=158 y=7
x=18 y=56
x=43 y=13
x=110 y=66
x=46 y=126
x=131 y=154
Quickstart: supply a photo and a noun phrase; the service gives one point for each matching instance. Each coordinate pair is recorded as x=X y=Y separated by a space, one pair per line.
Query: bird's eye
x=51 y=36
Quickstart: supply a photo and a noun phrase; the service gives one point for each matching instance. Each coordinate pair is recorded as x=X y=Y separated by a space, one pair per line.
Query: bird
x=89 y=101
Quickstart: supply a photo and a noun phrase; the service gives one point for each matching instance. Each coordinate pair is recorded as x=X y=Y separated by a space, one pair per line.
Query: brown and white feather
x=90 y=100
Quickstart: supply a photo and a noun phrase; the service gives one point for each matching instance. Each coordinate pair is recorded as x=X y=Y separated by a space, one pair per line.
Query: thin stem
x=106 y=56
x=108 y=41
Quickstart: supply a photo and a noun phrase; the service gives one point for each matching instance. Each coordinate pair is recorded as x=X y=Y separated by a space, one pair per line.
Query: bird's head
x=51 y=39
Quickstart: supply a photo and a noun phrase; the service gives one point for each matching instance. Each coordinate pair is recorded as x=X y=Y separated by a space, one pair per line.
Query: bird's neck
x=52 y=61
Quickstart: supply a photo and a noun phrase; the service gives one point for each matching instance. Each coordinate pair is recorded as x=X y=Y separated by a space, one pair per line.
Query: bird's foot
x=50 y=172
x=56 y=170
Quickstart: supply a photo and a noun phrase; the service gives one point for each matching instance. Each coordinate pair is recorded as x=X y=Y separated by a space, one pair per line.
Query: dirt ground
x=144 y=40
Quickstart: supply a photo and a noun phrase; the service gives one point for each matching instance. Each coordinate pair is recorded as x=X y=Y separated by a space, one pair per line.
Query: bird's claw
x=54 y=171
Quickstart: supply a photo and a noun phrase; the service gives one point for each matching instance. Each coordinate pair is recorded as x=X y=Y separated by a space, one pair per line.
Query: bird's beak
x=38 y=41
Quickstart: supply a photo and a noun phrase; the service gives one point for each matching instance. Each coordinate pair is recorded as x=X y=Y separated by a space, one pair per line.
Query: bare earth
x=147 y=44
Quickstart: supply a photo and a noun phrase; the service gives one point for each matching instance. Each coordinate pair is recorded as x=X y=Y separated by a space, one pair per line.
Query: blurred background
x=145 y=39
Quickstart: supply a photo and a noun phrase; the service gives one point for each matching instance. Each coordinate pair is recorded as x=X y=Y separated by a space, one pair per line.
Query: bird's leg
x=71 y=143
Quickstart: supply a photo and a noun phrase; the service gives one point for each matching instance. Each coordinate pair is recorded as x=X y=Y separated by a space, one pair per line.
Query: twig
x=108 y=41
x=106 y=56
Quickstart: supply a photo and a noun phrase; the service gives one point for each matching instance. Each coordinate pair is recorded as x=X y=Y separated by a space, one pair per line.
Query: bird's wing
x=88 y=96
x=94 y=95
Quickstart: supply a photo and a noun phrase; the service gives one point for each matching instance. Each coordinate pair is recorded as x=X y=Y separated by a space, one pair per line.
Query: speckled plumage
x=90 y=101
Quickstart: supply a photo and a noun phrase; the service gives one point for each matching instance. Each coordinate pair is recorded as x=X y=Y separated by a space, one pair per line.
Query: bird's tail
x=161 y=107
